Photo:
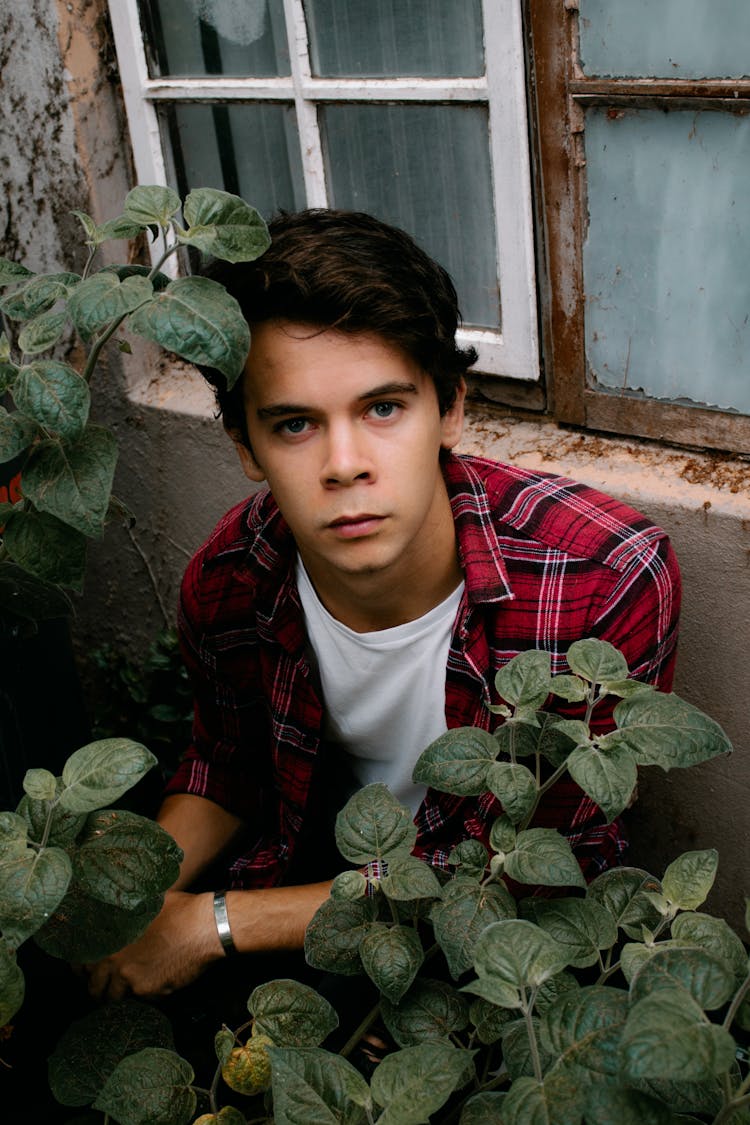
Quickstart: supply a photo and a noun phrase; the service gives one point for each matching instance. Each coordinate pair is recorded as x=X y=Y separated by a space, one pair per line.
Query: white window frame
x=513 y=352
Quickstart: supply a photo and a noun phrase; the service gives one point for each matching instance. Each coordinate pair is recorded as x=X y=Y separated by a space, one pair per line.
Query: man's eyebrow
x=285 y=409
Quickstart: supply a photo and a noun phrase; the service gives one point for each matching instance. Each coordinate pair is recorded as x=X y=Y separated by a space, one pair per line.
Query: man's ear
x=452 y=422
x=250 y=466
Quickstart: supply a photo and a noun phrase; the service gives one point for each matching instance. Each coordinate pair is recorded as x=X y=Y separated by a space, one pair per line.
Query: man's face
x=347 y=431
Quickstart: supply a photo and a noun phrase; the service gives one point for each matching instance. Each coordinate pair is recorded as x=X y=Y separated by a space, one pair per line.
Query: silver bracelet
x=221 y=918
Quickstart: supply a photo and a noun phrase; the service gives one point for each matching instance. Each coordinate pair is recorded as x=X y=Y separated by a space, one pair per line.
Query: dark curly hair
x=349 y=271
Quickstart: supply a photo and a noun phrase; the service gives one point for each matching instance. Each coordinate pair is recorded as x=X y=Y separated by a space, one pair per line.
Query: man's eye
x=292 y=426
x=385 y=409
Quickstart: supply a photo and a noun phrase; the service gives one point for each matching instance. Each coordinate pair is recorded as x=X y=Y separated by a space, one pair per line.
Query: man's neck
x=368 y=603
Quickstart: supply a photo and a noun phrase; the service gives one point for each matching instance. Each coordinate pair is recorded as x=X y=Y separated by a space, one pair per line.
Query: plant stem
x=527 y=1010
x=553 y=777
x=88 y=370
x=739 y=996
x=152 y=576
x=359 y=1031
x=730 y=1108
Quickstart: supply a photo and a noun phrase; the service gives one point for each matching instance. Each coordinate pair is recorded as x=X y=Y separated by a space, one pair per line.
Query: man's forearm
x=202 y=829
x=275 y=918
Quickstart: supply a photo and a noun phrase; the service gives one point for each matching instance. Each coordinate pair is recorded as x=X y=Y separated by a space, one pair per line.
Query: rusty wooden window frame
x=559 y=95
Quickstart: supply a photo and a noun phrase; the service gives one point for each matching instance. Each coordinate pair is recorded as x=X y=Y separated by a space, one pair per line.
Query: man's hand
x=175 y=949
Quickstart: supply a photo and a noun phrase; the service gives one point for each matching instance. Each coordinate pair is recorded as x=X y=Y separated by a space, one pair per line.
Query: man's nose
x=346 y=458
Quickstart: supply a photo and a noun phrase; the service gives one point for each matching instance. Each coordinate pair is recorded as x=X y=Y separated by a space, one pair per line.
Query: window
x=413 y=110
x=644 y=137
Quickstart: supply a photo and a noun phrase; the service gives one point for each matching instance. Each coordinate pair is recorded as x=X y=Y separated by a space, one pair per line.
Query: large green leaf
x=291 y=1014
x=224 y=226
x=314 y=1087
x=150 y=204
x=621 y=890
x=32 y=885
x=84 y=929
x=150 y=1087
x=103 y=298
x=41 y=333
x=74 y=482
x=524 y=682
x=703 y=975
x=584 y=1027
x=415 y=1082
x=124 y=859
x=458 y=761
x=431 y=1009
x=667 y=1037
x=46 y=547
x=17 y=432
x=715 y=936
x=11 y=272
x=12 y=984
x=392 y=957
x=483 y=1109
x=518 y=953
x=581 y=927
x=543 y=856
x=597 y=661
x=91 y=1048
x=664 y=730
x=489 y=1020
x=28 y=597
x=14 y=835
x=608 y=1104
x=609 y=777
x=38 y=295
x=61 y=826
x=465 y=911
x=333 y=936
x=373 y=825
x=55 y=396
x=409 y=878
x=556 y=1101
x=98 y=774
x=197 y=319
x=515 y=786
x=689 y=878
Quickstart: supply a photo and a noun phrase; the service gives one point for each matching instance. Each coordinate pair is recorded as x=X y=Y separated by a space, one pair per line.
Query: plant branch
x=527 y=1010
x=359 y=1031
x=152 y=576
x=739 y=996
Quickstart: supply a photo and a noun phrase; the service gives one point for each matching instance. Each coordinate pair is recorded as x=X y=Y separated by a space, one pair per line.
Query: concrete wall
x=64 y=145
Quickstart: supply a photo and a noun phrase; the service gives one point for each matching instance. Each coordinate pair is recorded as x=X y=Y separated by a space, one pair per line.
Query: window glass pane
x=386 y=38
x=667 y=39
x=426 y=169
x=251 y=150
x=666 y=258
x=245 y=38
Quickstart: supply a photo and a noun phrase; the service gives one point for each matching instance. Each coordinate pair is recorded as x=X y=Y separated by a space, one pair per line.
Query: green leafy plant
x=69 y=460
x=80 y=879
x=616 y=1002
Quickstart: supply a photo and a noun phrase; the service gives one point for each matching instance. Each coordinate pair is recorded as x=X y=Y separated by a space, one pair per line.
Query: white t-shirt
x=384 y=692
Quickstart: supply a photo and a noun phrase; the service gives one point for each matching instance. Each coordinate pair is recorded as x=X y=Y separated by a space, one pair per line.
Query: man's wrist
x=223 y=929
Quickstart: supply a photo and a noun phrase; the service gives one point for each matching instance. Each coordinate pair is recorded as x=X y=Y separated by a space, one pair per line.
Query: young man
x=338 y=621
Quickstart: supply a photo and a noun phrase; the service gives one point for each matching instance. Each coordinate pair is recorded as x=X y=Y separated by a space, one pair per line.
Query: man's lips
x=352 y=526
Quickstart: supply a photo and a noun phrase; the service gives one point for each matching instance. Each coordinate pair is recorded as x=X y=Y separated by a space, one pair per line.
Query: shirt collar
x=479 y=551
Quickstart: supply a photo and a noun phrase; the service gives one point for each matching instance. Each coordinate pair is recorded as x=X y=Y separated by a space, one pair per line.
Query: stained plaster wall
x=63 y=146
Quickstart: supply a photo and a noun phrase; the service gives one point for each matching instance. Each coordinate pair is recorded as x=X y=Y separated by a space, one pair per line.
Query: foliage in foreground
x=68 y=461
x=618 y=1002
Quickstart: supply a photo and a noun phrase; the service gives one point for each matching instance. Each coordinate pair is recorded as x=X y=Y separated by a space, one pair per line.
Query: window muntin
x=161 y=136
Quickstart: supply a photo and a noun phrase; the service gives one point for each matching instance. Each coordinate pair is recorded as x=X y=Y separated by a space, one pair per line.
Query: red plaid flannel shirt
x=546 y=560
